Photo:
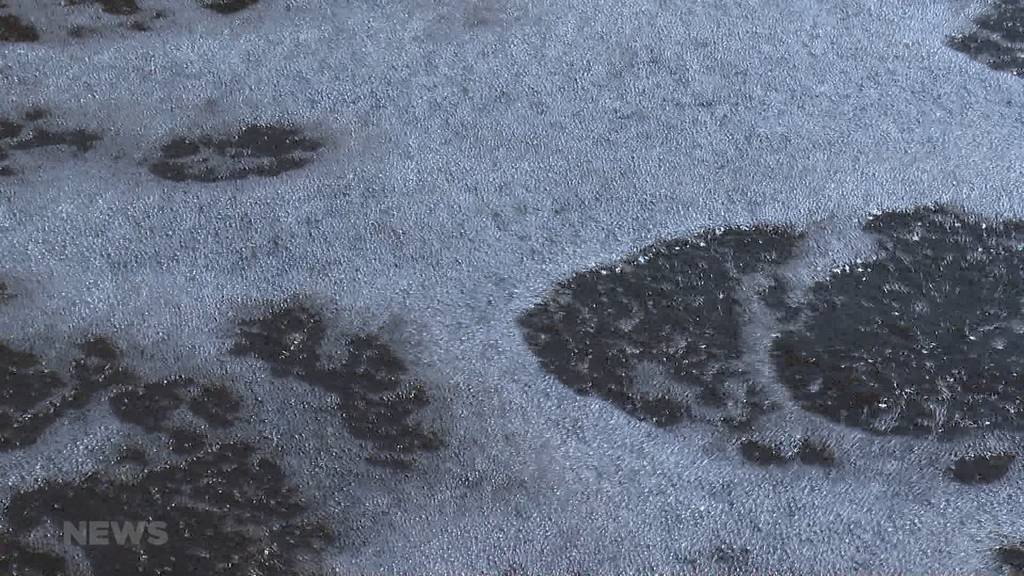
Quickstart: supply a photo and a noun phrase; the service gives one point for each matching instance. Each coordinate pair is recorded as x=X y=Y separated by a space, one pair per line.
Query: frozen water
x=475 y=154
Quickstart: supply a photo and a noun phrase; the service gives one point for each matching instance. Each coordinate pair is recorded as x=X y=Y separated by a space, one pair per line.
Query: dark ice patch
x=14 y=29
x=133 y=455
x=1011 y=556
x=33 y=397
x=32 y=133
x=674 y=307
x=81 y=140
x=121 y=7
x=377 y=398
x=731 y=555
x=215 y=404
x=115 y=7
x=810 y=452
x=997 y=39
x=288 y=340
x=761 y=453
x=982 y=468
x=129 y=14
x=186 y=440
x=80 y=18
x=135 y=18
x=36 y=114
x=9 y=129
x=99 y=365
x=227 y=6
x=816 y=453
x=776 y=297
x=78 y=32
x=257 y=150
x=9 y=132
x=18 y=559
x=227 y=510
x=149 y=405
x=152 y=405
x=725 y=558
x=927 y=338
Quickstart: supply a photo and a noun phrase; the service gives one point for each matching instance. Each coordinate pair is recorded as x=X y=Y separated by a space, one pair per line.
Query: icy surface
x=474 y=155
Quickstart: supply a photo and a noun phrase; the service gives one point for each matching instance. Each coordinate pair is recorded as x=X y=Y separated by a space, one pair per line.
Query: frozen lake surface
x=472 y=287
